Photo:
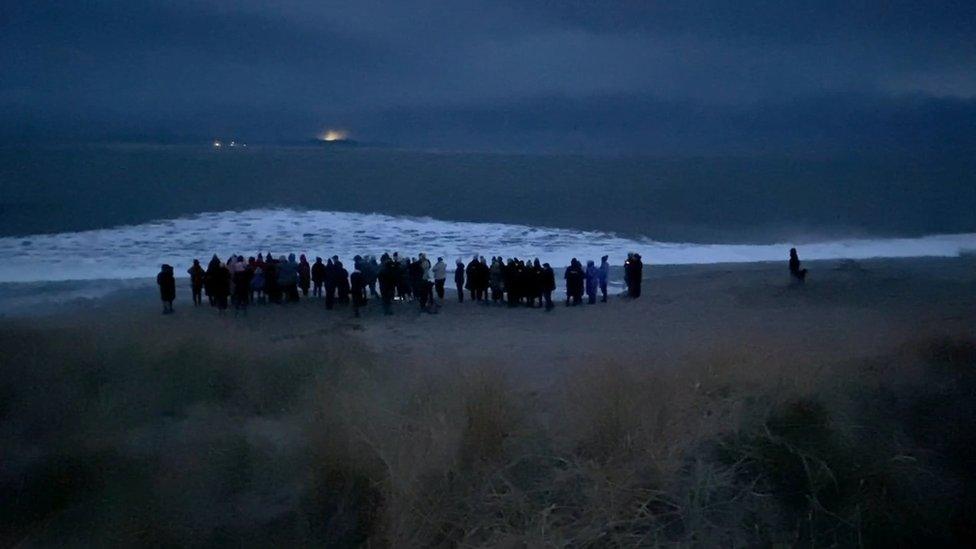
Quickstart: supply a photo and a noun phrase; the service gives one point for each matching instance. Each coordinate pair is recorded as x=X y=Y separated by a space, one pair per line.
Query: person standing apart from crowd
x=167 y=288
x=796 y=272
x=197 y=276
x=440 y=277
x=604 y=275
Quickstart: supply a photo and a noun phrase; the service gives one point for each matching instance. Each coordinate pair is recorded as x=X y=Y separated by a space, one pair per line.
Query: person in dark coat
x=548 y=284
x=222 y=287
x=342 y=282
x=167 y=288
x=574 y=282
x=304 y=275
x=371 y=273
x=387 y=278
x=592 y=281
x=796 y=272
x=636 y=277
x=459 y=279
x=330 y=284
x=472 y=284
x=357 y=283
x=241 y=277
x=209 y=278
x=197 y=277
x=271 y=287
x=604 y=275
x=318 y=277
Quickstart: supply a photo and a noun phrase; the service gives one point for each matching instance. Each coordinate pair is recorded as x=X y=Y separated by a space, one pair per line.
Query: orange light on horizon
x=334 y=135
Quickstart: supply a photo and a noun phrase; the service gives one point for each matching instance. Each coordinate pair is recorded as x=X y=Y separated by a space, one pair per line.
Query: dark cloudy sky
x=644 y=76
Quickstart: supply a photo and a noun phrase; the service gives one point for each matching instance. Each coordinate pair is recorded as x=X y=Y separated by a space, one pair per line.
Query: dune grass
x=118 y=436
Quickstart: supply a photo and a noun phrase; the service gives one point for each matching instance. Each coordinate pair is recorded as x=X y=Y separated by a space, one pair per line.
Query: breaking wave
x=136 y=251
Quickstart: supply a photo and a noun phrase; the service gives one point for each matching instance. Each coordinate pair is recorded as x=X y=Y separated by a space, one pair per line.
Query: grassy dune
x=121 y=436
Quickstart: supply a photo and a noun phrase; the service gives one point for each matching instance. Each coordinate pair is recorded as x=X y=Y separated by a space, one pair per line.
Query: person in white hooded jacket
x=440 y=277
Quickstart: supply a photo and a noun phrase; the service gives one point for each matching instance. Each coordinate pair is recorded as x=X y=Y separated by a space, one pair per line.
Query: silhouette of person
x=197 y=276
x=459 y=279
x=440 y=277
x=604 y=275
x=357 y=283
x=592 y=280
x=304 y=275
x=548 y=284
x=318 y=277
x=209 y=277
x=574 y=282
x=167 y=287
x=222 y=286
x=796 y=272
x=387 y=278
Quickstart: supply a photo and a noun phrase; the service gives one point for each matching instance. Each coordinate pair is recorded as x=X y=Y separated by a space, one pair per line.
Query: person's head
x=590 y=263
x=459 y=262
x=546 y=266
x=196 y=262
x=536 y=264
x=318 y=259
x=302 y=257
x=440 y=259
x=330 y=261
x=604 y=258
x=792 y=252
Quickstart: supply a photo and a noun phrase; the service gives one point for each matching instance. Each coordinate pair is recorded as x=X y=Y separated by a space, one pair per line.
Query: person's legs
x=440 y=288
x=460 y=292
x=603 y=290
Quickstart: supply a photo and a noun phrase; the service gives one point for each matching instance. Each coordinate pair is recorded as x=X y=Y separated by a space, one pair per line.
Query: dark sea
x=117 y=211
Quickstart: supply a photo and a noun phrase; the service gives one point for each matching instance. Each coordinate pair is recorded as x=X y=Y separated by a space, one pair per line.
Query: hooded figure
x=496 y=279
x=222 y=286
x=592 y=280
x=604 y=276
x=197 y=277
x=288 y=277
x=167 y=288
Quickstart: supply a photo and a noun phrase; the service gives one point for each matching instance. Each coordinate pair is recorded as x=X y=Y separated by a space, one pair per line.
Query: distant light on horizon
x=334 y=135
x=217 y=144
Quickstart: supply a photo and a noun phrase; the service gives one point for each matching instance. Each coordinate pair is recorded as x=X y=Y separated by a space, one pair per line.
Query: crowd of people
x=239 y=282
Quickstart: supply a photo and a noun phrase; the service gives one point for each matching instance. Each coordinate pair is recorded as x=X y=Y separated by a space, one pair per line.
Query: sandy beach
x=405 y=403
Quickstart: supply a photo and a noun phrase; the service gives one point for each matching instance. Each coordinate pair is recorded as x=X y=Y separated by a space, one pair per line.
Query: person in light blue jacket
x=592 y=279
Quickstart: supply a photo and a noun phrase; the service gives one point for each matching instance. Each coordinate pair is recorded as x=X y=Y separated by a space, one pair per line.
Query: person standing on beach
x=387 y=278
x=604 y=274
x=357 y=282
x=318 y=277
x=440 y=277
x=208 y=280
x=459 y=279
x=197 y=276
x=167 y=288
x=592 y=280
x=636 y=276
x=795 y=271
x=222 y=287
x=548 y=284
x=574 y=282
x=342 y=281
x=472 y=272
x=304 y=275
x=371 y=273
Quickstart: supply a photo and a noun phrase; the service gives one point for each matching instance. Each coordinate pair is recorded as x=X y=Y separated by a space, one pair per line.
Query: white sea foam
x=136 y=251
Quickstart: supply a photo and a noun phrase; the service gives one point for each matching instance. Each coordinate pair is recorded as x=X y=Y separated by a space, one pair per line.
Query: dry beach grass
x=122 y=428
